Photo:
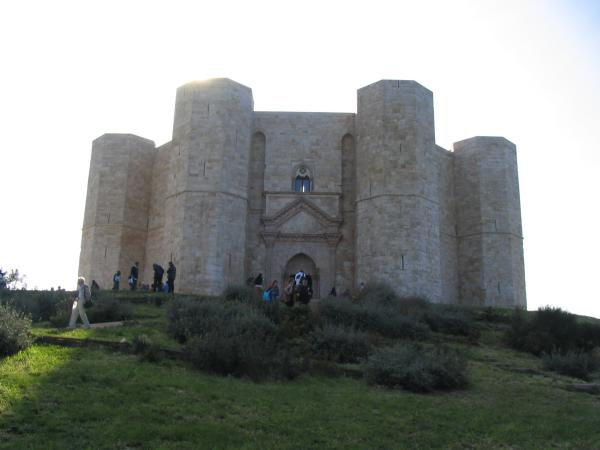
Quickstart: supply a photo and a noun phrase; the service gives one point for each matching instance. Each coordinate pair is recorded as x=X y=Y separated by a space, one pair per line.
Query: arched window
x=302 y=183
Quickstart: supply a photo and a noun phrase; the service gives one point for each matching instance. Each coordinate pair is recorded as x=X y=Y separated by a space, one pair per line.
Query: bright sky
x=527 y=70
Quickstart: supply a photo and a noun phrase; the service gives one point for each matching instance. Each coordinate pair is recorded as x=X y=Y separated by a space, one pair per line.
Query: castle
x=348 y=198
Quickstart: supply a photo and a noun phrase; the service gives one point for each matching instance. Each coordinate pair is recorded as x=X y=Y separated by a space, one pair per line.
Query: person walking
x=171 y=273
x=83 y=295
x=133 y=276
x=158 y=277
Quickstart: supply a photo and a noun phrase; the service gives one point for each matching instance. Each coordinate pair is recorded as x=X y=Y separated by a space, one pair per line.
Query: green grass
x=53 y=397
x=60 y=398
x=148 y=319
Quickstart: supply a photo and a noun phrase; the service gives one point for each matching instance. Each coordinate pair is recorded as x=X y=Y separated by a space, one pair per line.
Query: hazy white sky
x=527 y=70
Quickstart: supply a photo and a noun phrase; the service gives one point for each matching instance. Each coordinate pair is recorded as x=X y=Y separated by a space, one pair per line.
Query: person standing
x=299 y=277
x=133 y=276
x=83 y=295
x=158 y=276
x=274 y=291
x=171 y=273
x=116 y=280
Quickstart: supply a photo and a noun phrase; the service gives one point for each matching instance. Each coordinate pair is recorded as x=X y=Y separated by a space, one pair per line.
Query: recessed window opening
x=302 y=183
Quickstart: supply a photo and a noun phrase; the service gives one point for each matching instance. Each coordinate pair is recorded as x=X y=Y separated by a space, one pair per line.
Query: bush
x=62 y=313
x=340 y=344
x=385 y=319
x=494 y=315
x=452 y=320
x=195 y=317
x=242 y=294
x=15 y=331
x=377 y=293
x=411 y=367
x=578 y=364
x=145 y=348
x=38 y=305
x=551 y=329
x=243 y=345
x=109 y=310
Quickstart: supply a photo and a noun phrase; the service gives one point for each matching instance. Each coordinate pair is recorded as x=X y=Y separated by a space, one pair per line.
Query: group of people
x=299 y=289
x=157 y=284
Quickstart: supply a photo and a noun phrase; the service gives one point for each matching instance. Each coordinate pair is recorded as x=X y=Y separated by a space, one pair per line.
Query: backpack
x=87 y=297
x=266 y=295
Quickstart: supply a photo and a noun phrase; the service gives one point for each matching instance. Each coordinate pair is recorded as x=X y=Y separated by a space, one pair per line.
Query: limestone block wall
x=397 y=210
x=490 y=249
x=159 y=248
x=255 y=247
x=211 y=137
x=346 y=249
x=443 y=173
x=311 y=139
x=117 y=204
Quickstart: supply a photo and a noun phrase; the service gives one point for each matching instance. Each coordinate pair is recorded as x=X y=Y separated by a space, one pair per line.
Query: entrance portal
x=303 y=262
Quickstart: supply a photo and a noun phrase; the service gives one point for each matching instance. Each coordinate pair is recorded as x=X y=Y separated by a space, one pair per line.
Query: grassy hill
x=62 y=397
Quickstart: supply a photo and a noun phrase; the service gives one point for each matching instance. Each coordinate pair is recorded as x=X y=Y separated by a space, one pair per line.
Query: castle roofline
x=331 y=113
x=218 y=80
x=396 y=82
x=122 y=136
x=483 y=139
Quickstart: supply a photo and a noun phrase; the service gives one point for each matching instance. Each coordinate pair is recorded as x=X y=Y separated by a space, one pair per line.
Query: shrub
x=385 y=319
x=38 y=305
x=413 y=368
x=297 y=322
x=244 y=345
x=573 y=363
x=62 y=313
x=551 y=329
x=378 y=293
x=194 y=317
x=145 y=348
x=494 y=315
x=340 y=344
x=242 y=294
x=109 y=310
x=15 y=330
x=452 y=320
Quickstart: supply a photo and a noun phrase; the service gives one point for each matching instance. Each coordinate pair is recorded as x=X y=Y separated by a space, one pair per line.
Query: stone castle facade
x=349 y=198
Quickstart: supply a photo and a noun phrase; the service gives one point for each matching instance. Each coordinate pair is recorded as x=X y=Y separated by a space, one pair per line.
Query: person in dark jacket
x=116 y=280
x=158 y=277
x=303 y=293
x=171 y=272
x=133 y=276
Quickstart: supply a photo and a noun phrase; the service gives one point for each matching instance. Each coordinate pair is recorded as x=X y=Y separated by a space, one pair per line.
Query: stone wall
x=212 y=132
x=397 y=212
x=116 y=215
x=490 y=250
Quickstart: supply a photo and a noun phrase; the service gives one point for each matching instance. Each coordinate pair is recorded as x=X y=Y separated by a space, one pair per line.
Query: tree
x=12 y=280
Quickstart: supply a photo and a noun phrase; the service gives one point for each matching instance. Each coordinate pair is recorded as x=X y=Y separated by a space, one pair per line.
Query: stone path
x=106 y=325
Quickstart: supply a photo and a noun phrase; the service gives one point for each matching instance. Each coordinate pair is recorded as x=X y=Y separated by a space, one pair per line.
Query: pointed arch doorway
x=301 y=261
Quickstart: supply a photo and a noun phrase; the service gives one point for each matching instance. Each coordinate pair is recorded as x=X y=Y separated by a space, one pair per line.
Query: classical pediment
x=302 y=222
x=301 y=217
